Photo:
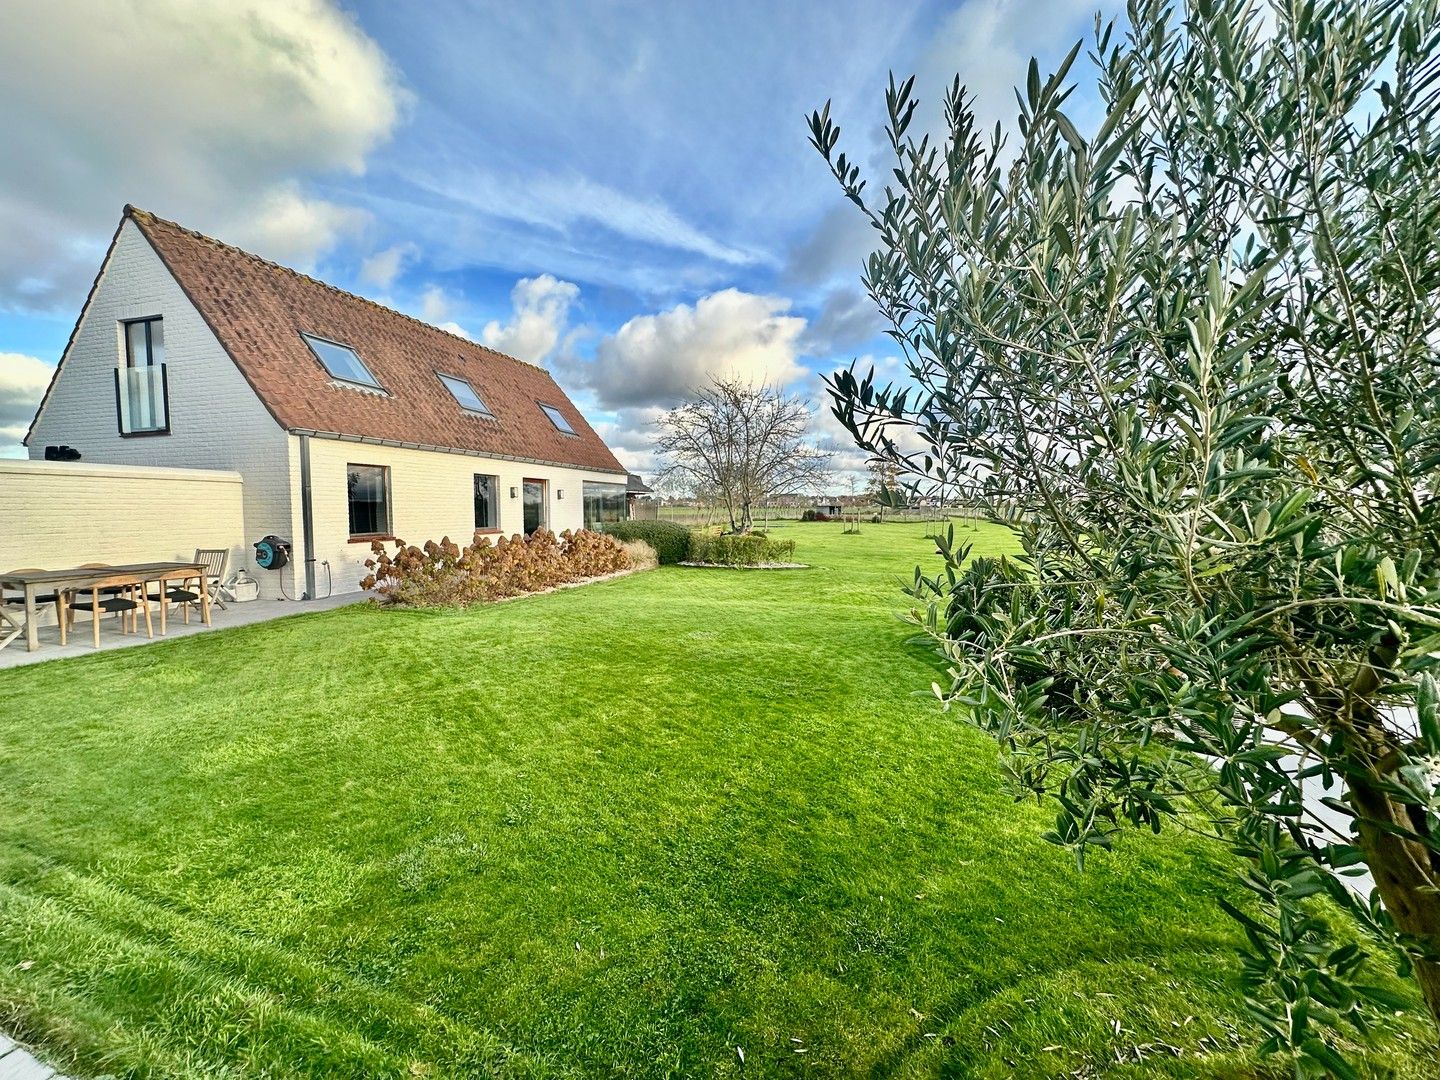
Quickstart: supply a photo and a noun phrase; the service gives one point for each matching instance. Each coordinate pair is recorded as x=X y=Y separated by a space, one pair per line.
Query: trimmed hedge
x=670 y=541
x=745 y=549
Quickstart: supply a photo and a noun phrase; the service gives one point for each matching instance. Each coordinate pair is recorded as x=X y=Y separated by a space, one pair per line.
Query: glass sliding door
x=534 y=505
x=603 y=503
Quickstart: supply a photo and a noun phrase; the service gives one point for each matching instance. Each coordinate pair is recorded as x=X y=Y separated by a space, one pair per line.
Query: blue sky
x=621 y=192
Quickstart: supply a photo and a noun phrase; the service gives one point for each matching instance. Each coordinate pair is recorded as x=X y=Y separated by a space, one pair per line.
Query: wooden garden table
x=88 y=579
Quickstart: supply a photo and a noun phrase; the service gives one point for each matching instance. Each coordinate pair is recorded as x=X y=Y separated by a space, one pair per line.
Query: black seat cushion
x=176 y=596
x=107 y=603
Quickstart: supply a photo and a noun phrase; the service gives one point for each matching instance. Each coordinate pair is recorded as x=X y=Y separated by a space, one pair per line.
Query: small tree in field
x=884 y=483
x=1195 y=359
x=745 y=443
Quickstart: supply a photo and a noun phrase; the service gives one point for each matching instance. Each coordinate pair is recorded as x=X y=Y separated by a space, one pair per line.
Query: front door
x=534 y=505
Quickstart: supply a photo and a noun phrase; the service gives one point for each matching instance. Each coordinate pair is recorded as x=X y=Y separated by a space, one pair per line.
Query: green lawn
x=616 y=830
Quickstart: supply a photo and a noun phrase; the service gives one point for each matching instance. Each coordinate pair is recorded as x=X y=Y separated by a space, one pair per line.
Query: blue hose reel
x=272 y=553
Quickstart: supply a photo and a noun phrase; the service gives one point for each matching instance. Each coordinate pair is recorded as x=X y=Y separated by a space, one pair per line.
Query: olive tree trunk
x=1405 y=874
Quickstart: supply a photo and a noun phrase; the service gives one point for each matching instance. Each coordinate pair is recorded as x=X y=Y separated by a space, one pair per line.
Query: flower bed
x=443 y=574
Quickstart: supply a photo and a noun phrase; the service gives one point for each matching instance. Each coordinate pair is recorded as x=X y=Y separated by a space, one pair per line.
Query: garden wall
x=59 y=513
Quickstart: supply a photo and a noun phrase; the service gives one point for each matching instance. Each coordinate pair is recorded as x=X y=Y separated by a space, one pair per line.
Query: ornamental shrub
x=670 y=541
x=443 y=574
x=591 y=554
x=739 y=549
x=642 y=555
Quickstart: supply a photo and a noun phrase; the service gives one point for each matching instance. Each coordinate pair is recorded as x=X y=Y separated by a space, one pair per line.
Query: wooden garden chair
x=104 y=599
x=185 y=596
x=8 y=618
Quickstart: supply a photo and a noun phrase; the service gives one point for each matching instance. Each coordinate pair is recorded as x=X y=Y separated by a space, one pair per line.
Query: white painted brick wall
x=216 y=421
x=431 y=494
x=60 y=513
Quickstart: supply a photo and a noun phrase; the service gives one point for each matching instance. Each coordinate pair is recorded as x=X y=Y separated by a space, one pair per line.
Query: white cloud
x=207 y=113
x=561 y=202
x=659 y=359
x=541 y=314
x=988 y=43
x=384 y=267
x=631 y=435
x=23 y=380
x=434 y=305
x=289 y=227
x=639 y=219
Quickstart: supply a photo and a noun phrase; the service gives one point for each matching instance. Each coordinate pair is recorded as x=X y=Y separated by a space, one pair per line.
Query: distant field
x=634 y=829
x=692 y=515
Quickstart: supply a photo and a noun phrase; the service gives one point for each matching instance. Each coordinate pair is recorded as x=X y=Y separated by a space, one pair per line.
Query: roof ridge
x=140 y=214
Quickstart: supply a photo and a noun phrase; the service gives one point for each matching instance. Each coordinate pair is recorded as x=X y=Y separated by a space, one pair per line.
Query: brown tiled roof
x=259 y=309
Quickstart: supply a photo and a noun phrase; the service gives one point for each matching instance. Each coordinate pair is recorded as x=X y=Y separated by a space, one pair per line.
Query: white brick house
x=345 y=420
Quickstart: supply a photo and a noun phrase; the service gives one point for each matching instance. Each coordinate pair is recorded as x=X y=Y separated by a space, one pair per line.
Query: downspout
x=307 y=518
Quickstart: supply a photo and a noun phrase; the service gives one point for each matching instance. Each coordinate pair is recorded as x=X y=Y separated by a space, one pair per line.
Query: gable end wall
x=216 y=421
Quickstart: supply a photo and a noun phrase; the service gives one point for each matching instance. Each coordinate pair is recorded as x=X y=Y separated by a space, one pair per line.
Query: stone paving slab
x=82 y=640
x=17 y=1063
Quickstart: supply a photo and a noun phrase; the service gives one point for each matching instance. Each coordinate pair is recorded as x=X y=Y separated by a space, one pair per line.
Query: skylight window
x=341 y=361
x=466 y=395
x=557 y=418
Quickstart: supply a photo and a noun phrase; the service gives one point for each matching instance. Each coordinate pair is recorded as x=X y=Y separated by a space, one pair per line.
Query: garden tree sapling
x=884 y=483
x=850 y=507
x=1193 y=357
x=746 y=443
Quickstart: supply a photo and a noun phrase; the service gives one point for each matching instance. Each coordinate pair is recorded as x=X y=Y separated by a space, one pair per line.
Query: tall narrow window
x=141 y=399
x=534 y=505
x=487 y=501
x=368 y=492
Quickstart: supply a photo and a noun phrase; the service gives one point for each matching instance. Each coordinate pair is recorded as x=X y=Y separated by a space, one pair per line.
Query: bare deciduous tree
x=744 y=442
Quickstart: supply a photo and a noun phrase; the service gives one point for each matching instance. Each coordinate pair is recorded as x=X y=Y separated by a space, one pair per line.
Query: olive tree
x=1192 y=354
